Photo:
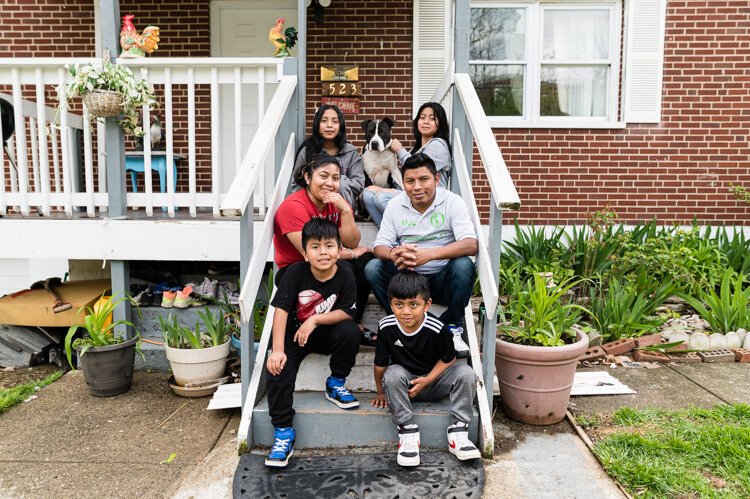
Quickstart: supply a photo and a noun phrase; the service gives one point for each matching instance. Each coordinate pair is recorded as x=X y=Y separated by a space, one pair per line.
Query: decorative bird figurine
x=155 y=133
x=283 y=40
x=135 y=45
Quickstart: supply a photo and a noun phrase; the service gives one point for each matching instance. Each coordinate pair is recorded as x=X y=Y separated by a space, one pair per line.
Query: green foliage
x=178 y=336
x=736 y=248
x=539 y=315
x=728 y=310
x=12 y=396
x=688 y=453
x=231 y=313
x=591 y=253
x=740 y=193
x=99 y=330
x=510 y=280
x=217 y=332
x=533 y=250
x=627 y=310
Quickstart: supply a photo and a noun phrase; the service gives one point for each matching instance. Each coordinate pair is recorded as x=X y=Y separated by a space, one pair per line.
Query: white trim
x=502 y=122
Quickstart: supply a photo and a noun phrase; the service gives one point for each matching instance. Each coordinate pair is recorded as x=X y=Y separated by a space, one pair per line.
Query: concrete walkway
x=68 y=444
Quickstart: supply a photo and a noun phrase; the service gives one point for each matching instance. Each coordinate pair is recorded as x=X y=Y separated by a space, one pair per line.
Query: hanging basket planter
x=103 y=103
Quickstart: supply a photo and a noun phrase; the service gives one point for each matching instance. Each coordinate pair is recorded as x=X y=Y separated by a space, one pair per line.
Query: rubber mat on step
x=359 y=476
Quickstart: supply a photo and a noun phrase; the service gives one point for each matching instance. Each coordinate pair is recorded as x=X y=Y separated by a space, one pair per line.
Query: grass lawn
x=17 y=394
x=688 y=453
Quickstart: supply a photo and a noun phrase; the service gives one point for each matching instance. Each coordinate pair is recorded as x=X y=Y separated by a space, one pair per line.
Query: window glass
x=498 y=34
x=576 y=34
x=500 y=88
x=573 y=91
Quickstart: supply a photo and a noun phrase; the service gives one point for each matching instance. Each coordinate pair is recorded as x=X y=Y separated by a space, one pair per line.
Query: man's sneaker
x=283 y=447
x=339 y=395
x=408 y=445
x=206 y=289
x=167 y=300
x=462 y=349
x=459 y=444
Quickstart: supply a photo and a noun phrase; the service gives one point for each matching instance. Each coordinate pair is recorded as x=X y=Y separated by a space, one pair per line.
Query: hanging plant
x=110 y=90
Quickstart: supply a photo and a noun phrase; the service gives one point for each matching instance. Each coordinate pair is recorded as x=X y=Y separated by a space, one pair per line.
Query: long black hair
x=443 y=131
x=310 y=166
x=314 y=144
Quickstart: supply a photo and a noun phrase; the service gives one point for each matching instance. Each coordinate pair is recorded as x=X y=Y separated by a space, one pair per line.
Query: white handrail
x=487 y=280
x=244 y=182
x=501 y=184
x=445 y=85
x=254 y=274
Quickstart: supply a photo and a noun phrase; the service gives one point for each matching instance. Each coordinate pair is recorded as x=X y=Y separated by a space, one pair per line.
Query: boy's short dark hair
x=407 y=284
x=418 y=161
x=320 y=229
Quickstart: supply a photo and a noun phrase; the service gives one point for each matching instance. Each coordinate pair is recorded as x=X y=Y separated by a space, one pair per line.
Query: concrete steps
x=319 y=423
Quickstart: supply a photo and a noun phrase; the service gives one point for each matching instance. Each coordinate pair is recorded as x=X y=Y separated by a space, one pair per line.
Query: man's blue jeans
x=451 y=286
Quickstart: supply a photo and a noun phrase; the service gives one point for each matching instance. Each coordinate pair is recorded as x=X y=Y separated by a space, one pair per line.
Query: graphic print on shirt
x=310 y=302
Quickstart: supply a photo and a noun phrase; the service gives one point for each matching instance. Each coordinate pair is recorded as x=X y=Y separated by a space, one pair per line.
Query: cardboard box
x=34 y=307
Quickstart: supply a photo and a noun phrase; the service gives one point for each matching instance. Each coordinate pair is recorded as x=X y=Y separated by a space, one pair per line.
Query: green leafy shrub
x=534 y=250
x=727 y=310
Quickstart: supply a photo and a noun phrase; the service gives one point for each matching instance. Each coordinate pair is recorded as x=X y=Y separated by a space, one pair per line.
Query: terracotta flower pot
x=535 y=382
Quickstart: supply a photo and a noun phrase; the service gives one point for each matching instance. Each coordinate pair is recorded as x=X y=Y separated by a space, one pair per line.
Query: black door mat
x=359 y=476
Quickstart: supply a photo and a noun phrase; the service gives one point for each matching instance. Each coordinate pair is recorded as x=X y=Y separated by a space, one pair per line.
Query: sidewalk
x=69 y=444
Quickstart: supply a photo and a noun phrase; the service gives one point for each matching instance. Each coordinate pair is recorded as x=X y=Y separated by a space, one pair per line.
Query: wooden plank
x=501 y=183
x=244 y=183
x=598 y=383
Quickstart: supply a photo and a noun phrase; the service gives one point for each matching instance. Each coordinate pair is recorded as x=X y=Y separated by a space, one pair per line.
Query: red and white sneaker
x=459 y=444
x=408 y=445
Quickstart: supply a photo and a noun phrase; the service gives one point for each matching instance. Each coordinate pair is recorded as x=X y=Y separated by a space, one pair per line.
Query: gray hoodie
x=352 y=172
x=437 y=149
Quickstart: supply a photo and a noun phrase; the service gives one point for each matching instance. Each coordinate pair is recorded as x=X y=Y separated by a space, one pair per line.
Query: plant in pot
x=199 y=354
x=105 y=358
x=232 y=315
x=110 y=90
x=537 y=350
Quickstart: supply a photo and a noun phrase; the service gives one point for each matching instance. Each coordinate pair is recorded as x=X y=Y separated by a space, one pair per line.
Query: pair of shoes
x=168 y=297
x=186 y=299
x=339 y=395
x=227 y=292
x=283 y=447
x=369 y=337
x=462 y=349
x=408 y=445
x=143 y=299
x=459 y=444
x=206 y=289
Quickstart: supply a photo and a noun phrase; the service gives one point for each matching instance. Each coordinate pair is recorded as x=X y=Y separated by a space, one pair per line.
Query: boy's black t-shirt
x=302 y=295
x=417 y=352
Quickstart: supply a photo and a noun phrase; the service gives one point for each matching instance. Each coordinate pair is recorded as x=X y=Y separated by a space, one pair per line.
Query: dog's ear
x=388 y=121
x=364 y=124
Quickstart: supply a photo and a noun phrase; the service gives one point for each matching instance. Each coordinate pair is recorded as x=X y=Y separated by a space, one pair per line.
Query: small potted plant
x=198 y=354
x=110 y=90
x=536 y=352
x=105 y=358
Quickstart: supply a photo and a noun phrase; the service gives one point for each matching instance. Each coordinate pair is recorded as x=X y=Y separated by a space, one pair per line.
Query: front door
x=239 y=28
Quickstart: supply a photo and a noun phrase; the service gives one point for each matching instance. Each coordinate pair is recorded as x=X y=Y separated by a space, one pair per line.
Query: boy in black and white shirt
x=314 y=312
x=415 y=360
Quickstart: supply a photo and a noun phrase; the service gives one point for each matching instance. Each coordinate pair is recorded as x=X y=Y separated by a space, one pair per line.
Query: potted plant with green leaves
x=536 y=351
x=260 y=308
x=110 y=90
x=105 y=358
x=197 y=354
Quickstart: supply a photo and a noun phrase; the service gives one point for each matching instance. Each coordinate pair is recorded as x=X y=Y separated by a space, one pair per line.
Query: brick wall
x=674 y=171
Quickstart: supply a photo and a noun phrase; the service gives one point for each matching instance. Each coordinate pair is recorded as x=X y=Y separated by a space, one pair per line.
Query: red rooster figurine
x=135 y=45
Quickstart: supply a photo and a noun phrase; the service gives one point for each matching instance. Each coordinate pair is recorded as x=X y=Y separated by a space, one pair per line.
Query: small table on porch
x=135 y=163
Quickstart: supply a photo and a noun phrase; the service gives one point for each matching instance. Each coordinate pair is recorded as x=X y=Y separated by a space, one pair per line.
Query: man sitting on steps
x=428 y=230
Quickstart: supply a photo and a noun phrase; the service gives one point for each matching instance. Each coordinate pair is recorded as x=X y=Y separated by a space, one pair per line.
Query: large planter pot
x=535 y=382
x=193 y=365
x=109 y=370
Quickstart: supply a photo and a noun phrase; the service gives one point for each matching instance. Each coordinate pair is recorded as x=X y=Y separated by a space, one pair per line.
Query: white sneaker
x=408 y=445
x=459 y=444
x=462 y=349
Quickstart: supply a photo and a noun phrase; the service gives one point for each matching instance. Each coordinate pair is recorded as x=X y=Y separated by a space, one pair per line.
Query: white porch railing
x=55 y=173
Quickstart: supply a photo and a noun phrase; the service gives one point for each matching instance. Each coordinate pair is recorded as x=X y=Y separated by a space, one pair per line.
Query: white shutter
x=644 y=60
x=432 y=47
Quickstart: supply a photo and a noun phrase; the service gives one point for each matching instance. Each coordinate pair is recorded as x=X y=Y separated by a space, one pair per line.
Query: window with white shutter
x=432 y=47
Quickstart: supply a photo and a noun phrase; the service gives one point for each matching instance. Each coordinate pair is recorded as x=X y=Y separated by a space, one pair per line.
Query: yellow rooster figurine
x=135 y=45
x=283 y=40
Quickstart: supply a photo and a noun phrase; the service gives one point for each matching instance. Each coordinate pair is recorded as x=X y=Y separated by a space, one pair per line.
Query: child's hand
x=417 y=385
x=380 y=401
x=304 y=331
x=276 y=362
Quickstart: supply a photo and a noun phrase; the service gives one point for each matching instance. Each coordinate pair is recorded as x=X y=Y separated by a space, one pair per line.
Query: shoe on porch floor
x=337 y=393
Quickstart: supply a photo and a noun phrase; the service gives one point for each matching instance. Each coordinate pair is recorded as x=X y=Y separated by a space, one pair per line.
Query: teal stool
x=134 y=163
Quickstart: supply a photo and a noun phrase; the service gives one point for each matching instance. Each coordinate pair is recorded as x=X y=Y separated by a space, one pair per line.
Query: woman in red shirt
x=319 y=197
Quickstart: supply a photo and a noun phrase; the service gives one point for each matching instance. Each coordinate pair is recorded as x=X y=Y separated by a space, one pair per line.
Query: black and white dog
x=379 y=161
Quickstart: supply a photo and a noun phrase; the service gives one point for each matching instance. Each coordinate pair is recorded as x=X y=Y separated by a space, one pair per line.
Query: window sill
x=499 y=122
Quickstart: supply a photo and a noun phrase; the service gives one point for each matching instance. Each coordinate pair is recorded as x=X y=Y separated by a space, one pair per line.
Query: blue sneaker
x=462 y=349
x=283 y=447
x=339 y=395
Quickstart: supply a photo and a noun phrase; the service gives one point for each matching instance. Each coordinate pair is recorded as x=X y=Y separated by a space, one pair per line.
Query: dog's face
x=377 y=134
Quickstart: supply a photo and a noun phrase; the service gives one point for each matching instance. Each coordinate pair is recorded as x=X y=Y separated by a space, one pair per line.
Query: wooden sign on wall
x=346 y=104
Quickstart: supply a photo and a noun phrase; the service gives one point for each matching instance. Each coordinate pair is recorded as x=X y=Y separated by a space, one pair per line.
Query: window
x=546 y=63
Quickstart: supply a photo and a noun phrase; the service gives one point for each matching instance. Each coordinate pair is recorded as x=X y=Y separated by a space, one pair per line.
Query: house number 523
x=341 y=88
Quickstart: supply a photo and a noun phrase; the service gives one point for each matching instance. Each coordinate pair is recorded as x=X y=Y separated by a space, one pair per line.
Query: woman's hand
x=337 y=200
x=396 y=145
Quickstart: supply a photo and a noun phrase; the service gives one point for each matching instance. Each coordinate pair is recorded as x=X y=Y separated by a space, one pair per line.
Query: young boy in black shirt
x=415 y=360
x=315 y=306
